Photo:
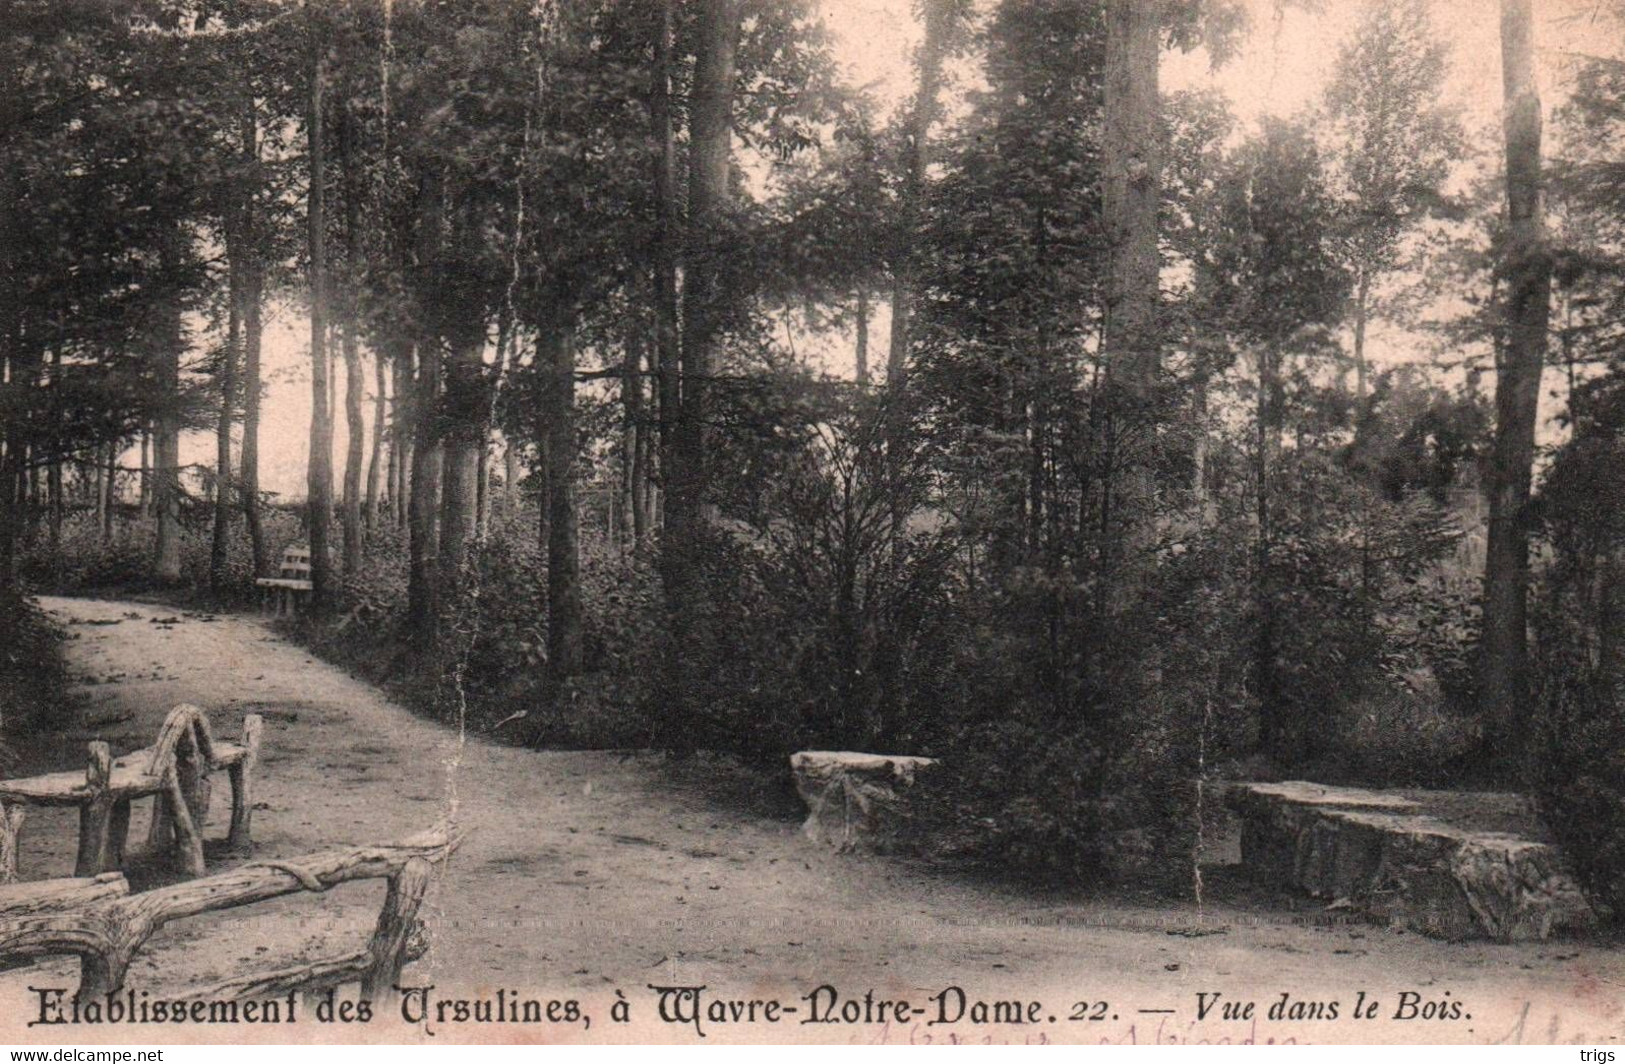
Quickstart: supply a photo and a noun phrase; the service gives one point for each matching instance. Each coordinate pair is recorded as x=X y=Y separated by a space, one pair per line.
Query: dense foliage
x=643 y=470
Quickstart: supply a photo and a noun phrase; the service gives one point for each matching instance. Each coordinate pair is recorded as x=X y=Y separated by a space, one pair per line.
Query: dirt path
x=588 y=872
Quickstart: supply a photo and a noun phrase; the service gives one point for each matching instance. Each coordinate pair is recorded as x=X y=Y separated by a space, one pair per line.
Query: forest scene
x=1122 y=410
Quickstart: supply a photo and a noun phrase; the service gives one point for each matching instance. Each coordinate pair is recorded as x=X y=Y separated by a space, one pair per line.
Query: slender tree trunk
x=249 y=475
x=1199 y=445
x=1504 y=652
x=424 y=501
x=110 y=496
x=563 y=562
x=1274 y=728
x=1362 y=311
x=939 y=15
x=220 y=548
x=144 y=482
x=401 y=433
x=482 y=489
x=355 y=382
x=862 y=354
x=355 y=452
x=98 y=496
x=253 y=285
x=166 y=439
x=375 y=465
x=632 y=471
x=510 y=475
x=10 y=341
x=319 y=475
x=54 y=502
x=666 y=357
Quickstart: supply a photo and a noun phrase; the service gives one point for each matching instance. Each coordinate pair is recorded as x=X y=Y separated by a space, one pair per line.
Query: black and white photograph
x=850 y=522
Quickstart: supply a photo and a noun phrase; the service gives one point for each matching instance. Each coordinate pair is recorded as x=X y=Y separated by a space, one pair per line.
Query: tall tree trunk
x=401 y=432
x=1504 y=651
x=862 y=352
x=466 y=413
x=166 y=438
x=110 y=494
x=355 y=452
x=1132 y=192
x=510 y=475
x=319 y=475
x=10 y=340
x=1362 y=312
x=939 y=15
x=220 y=548
x=54 y=502
x=144 y=482
x=375 y=465
x=249 y=474
x=253 y=286
x=355 y=383
x=711 y=127
x=1275 y=731
x=423 y=604
x=563 y=561
x=459 y=506
x=1131 y=344
x=632 y=428
x=666 y=358
x=482 y=489
x=98 y=496
x=685 y=468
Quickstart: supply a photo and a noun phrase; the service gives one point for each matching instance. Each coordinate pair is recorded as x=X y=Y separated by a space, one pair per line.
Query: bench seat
x=129 y=779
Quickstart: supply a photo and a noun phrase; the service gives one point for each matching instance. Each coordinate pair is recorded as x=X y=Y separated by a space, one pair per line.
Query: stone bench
x=852 y=798
x=174 y=771
x=1381 y=854
x=98 y=920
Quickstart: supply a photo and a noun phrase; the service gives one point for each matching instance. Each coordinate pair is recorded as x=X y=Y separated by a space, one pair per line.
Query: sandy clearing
x=591 y=871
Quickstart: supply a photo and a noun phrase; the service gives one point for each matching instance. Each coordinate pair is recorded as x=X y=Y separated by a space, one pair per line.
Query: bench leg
x=95 y=813
x=242 y=784
x=118 y=836
x=161 y=832
x=188 y=839
x=11 y=824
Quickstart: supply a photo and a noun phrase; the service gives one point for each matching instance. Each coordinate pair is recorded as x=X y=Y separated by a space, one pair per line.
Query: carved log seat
x=174 y=771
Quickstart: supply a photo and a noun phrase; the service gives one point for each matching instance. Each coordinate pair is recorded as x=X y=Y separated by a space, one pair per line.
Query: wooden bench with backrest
x=174 y=772
x=283 y=593
x=98 y=920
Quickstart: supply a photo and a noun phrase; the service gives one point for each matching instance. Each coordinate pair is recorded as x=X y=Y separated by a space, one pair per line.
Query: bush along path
x=589 y=872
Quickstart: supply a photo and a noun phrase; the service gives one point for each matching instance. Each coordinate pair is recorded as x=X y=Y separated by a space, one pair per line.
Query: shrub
x=33 y=676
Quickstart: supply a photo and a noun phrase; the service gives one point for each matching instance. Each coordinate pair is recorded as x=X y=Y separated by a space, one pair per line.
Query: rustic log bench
x=283 y=593
x=98 y=920
x=174 y=771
